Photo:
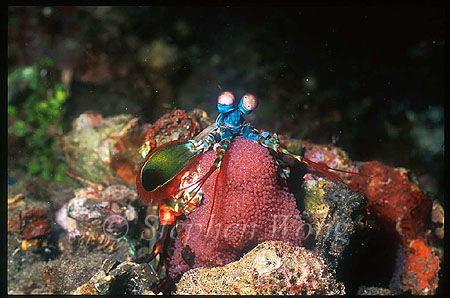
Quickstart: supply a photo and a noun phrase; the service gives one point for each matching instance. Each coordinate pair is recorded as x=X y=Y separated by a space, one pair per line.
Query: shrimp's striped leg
x=272 y=143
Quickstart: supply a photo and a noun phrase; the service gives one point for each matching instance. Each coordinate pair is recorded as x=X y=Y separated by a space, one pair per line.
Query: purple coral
x=250 y=207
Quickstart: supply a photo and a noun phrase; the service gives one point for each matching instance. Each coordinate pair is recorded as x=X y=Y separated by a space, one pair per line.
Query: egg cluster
x=243 y=205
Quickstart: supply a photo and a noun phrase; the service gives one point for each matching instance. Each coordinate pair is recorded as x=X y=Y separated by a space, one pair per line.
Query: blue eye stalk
x=223 y=109
x=246 y=105
x=225 y=102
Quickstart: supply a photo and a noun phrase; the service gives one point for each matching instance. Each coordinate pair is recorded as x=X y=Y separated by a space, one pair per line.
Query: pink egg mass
x=250 y=206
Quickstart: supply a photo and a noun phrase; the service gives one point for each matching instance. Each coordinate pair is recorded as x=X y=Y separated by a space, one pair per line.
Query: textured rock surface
x=66 y=273
x=400 y=208
x=421 y=269
x=272 y=267
x=373 y=291
x=120 y=279
x=104 y=150
x=28 y=221
x=335 y=213
x=175 y=126
x=397 y=203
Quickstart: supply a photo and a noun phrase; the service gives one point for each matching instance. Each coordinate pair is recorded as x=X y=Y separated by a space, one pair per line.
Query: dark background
x=371 y=78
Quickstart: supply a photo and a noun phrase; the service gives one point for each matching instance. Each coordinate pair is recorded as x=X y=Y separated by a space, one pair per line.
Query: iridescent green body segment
x=165 y=164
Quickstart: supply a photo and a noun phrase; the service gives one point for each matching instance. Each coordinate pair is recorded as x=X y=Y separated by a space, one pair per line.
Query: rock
x=335 y=213
x=271 y=268
x=127 y=278
x=396 y=202
x=104 y=150
x=437 y=218
x=399 y=207
x=373 y=291
x=69 y=272
x=31 y=226
x=174 y=126
x=421 y=269
x=35 y=223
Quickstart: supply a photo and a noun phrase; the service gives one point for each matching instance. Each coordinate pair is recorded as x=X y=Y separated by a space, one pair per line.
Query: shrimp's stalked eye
x=225 y=102
x=248 y=103
x=226 y=98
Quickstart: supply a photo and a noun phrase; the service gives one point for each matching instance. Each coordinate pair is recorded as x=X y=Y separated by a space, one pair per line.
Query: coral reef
x=104 y=150
x=271 y=268
x=243 y=203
